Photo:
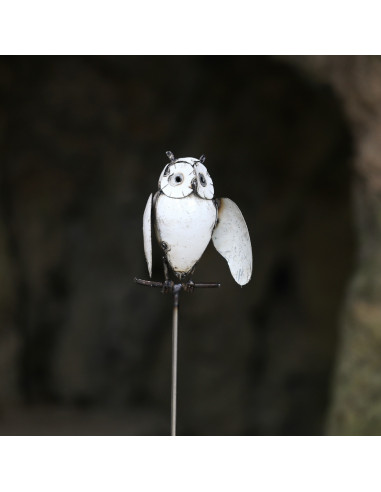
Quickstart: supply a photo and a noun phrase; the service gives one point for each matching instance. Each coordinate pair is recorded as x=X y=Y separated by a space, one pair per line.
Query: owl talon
x=167 y=287
x=189 y=286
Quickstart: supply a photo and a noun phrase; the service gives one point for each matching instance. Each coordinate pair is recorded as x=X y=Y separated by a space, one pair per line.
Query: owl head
x=186 y=175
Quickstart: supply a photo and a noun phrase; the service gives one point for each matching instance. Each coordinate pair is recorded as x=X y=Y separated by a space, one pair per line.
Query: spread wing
x=231 y=239
x=147 y=236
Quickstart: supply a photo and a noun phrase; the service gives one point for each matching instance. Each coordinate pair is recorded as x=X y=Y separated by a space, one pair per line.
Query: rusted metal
x=160 y=285
x=148 y=283
x=170 y=156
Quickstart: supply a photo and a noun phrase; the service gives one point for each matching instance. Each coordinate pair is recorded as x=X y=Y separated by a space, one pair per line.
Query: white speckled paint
x=147 y=234
x=169 y=187
x=231 y=239
x=206 y=190
x=186 y=226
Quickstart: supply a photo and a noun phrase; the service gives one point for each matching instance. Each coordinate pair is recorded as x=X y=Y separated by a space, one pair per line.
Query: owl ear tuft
x=202 y=159
x=170 y=156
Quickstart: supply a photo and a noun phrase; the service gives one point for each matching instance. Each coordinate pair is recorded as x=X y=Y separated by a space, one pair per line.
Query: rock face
x=356 y=390
x=84 y=350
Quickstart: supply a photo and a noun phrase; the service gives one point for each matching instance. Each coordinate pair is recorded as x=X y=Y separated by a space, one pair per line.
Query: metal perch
x=175 y=290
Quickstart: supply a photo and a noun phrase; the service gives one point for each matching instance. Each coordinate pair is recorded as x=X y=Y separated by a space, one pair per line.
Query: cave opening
x=89 y=135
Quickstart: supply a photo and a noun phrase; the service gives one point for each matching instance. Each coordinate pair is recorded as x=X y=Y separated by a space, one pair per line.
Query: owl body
x=186 y=216
x=184 y=228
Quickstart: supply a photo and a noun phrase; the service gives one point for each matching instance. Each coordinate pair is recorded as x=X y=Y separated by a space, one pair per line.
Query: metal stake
x=175 y=324
x=175 y=290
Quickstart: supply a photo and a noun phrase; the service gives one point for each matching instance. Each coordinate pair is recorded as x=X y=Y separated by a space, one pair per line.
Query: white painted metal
x=176 y=179
x=205 y=188
x=185 y=226
x=186 y=217
x=231 y=239
x=147 y=234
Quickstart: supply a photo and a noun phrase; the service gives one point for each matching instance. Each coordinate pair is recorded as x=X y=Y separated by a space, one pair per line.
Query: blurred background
x=294 y=141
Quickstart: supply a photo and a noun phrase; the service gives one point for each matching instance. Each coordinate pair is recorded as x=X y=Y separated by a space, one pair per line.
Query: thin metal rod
x=175 y=325
x=175 y=290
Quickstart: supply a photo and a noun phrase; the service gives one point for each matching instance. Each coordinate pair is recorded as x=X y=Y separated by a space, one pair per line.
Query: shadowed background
x=84 y=350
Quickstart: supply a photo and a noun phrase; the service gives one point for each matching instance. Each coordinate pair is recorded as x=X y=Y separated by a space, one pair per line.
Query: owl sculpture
x=186 y=216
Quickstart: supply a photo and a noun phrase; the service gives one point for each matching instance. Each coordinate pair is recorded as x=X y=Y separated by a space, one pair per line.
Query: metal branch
x=148 y=283
x=160 y=285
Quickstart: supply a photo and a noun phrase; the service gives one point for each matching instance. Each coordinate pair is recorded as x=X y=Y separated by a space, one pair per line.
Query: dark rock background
x=356 y=388
x=84 y=350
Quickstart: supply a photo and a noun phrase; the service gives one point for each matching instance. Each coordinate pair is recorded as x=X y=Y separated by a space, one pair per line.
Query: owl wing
x=147 y=235
x=231 y=239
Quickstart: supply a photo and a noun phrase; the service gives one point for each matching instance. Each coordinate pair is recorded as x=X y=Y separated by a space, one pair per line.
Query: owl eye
x=202 y=179
x=176 y=179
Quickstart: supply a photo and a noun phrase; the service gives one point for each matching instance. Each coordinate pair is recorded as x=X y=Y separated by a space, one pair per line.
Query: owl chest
x=184 y=228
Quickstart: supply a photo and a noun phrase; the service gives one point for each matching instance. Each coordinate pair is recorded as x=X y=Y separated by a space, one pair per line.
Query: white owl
x=186 y=216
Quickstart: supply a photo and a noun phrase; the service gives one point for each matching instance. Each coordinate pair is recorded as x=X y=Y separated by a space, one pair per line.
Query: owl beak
x=194 y=186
